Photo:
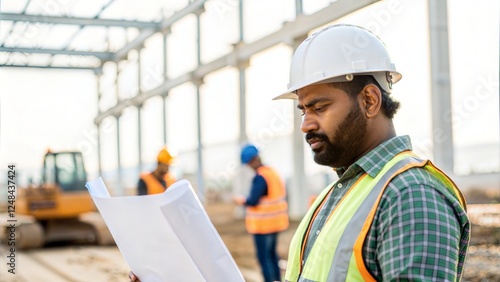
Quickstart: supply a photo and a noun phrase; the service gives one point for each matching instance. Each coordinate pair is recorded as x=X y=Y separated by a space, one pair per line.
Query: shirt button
x=339 y=185
x=317 y=232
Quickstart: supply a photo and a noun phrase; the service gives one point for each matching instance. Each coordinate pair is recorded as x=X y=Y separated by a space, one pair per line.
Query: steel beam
x=164 y=25
x=105 y=56
x=94 y=69
x=76 y=21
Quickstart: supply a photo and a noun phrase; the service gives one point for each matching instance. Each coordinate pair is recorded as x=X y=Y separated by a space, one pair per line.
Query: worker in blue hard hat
x=266 y=211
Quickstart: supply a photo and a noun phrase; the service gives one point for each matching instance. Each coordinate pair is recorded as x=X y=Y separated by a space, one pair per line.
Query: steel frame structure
x=291 y=33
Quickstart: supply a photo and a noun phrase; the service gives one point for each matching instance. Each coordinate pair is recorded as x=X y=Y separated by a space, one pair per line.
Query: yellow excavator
x=59 y=209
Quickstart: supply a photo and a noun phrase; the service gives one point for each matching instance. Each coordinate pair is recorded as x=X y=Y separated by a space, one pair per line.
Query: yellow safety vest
x=271 y=213
x=153 y=185
x=337 y=252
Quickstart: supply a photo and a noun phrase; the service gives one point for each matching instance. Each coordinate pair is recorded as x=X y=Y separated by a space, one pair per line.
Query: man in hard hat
x=160 y=179
x=266 y=212
x=390 y=216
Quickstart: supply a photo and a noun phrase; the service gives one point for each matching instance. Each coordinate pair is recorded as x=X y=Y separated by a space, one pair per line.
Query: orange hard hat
x=164 y=156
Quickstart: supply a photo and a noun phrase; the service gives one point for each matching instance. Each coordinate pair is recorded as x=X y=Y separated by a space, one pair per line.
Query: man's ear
x=371 y=100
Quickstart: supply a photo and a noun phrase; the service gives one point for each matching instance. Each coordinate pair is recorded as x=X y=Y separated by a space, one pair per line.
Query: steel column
x=164 y=119
x=119 y=188
x=243 y=119
x=299 y=8
x=139 y=108
x=242 y=71
x=139 y=138
x=98 y=88
x=165 y=78
x=297 y=190
x=442 y=130
x=198 y=83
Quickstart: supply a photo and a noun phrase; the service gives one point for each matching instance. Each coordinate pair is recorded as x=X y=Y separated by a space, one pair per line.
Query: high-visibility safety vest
x=153 y=185
x=271 y=212
x=337 y=252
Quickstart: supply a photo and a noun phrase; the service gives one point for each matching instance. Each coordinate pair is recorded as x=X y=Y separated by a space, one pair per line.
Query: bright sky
x=50 y=108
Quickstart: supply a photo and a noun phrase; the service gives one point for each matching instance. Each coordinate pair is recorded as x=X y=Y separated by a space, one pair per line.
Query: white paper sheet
x=166 y=237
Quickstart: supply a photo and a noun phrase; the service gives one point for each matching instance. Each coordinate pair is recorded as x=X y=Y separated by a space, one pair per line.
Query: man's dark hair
x=353 y=87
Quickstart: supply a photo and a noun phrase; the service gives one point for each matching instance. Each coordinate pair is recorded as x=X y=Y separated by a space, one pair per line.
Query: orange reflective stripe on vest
x=271 y=213
x=153 y=185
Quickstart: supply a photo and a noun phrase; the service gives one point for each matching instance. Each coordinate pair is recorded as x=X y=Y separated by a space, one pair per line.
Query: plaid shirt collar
x=373 y=162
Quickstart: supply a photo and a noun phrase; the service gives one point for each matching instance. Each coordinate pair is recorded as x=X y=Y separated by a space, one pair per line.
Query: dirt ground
x=482 y=265
x=239 y=242
x=84 y=262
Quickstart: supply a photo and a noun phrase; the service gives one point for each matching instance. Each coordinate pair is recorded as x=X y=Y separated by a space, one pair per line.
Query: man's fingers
x=132 y=277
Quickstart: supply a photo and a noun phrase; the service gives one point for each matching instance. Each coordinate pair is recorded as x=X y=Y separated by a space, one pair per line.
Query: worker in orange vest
x=160 y=179
x=266 y=212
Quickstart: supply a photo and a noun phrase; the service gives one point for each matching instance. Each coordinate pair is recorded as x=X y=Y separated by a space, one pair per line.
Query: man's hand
x=240 y=200
x=132 y=277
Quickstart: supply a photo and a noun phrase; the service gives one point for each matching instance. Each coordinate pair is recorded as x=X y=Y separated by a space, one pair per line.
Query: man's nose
x=309 y=124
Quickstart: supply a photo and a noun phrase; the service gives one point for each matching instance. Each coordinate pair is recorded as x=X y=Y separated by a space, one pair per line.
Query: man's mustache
x=314 y=135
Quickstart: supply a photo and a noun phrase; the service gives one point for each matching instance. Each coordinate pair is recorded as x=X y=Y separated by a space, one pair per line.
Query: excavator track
x=27 y=233
x=101 y=231
x=21 y=232
x=29 y=236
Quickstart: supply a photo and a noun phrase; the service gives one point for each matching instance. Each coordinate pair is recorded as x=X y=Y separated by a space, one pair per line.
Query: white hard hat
x=337 y=53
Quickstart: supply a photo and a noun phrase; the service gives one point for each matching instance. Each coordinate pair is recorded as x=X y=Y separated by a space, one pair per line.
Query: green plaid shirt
x=418 y=233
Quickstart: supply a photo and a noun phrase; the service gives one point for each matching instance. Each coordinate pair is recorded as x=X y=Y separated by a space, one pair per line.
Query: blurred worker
x=160 y=179
x=390 y=216
x=266 y=212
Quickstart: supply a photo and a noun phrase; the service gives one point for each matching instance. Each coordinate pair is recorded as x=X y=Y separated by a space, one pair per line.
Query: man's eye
x=319 y=109
x=302 y=112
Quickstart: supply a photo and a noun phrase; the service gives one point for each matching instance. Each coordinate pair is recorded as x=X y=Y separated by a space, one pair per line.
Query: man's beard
x=346 y=143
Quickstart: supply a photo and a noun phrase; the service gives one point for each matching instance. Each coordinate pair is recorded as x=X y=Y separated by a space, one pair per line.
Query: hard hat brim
x=291 y=93
x=288 y=95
